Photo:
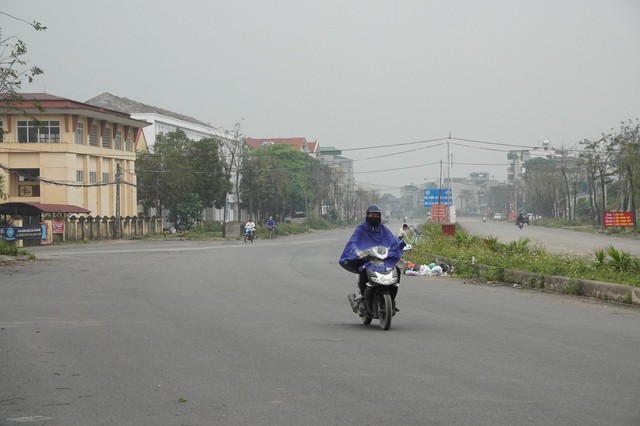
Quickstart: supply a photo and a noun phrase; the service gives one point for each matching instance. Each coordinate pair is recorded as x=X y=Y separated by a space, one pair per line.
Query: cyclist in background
x=271 y=226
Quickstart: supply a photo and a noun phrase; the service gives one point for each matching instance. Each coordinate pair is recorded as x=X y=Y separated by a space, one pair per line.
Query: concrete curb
x=610 y=292
x=12 y=259
x=597 y=289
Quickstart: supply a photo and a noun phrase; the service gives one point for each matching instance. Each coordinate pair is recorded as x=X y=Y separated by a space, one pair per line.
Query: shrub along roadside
x=10 y=249
x=213 y=229
x=470 y=251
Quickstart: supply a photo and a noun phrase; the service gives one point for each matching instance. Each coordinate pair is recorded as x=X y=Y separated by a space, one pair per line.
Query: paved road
x=554 y=240
x=228 y=333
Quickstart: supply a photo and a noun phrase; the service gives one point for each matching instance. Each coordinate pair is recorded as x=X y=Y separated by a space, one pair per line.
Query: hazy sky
x=356 y=73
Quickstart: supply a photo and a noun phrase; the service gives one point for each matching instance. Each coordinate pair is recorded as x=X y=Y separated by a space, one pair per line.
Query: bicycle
x=272 y=232
x=415 y=236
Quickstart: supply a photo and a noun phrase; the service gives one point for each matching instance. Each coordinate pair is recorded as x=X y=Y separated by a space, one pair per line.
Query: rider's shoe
x=395 y=308
x=362 y=308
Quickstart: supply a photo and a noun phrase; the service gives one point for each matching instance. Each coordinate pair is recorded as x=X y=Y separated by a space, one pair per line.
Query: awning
x=31 y=209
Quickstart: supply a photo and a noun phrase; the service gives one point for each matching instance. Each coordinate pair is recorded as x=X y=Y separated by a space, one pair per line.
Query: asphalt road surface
x=233 y=333
x=553 y=239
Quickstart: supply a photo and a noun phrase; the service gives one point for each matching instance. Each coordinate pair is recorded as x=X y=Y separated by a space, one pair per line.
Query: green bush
x=7 y=248
x=206 y=230
x=618 y=266
x=212 y=226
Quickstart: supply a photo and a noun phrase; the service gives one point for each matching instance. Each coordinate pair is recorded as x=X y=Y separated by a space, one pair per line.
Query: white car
x=497 y=216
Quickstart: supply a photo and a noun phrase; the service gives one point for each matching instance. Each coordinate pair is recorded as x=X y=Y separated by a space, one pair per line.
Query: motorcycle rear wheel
x=385 y=311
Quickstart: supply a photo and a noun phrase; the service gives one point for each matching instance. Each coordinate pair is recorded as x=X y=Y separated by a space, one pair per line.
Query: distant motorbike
x=249 y=234
x=520 y=224
x=484 y=218
x=376 y=303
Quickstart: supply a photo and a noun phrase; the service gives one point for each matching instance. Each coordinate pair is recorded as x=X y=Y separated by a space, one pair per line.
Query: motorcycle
x=249 y=234
x=484 y=218
x=376 y=303
x=520 y=224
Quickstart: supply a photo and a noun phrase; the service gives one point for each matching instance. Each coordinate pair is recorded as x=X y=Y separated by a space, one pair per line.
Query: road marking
x=29 y=419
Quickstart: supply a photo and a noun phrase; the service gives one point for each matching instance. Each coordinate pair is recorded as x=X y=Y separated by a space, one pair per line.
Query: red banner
x=618 y=219
x=439 y=213
x=58 y=226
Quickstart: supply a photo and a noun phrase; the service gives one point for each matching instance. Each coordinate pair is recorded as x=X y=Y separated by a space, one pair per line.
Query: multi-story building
x=70 y=153
x=342 y=189
x=165 y=121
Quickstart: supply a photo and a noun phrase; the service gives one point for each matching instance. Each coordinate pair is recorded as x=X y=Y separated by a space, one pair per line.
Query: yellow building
x=74 y=154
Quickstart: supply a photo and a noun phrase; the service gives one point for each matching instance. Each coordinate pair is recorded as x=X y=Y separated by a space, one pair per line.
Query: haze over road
x=553 y=239
x=227 y=333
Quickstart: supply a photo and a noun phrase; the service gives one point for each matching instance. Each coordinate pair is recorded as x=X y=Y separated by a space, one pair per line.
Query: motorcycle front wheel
x=385 y=311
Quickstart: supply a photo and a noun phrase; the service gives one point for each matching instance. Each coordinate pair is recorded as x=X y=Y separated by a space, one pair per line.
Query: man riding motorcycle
x=368 y=234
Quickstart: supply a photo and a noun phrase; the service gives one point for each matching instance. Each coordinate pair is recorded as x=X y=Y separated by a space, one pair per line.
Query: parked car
x=298 y=217
x=497 y=216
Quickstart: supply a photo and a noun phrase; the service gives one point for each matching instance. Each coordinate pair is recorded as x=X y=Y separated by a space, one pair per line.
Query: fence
x=106 y=228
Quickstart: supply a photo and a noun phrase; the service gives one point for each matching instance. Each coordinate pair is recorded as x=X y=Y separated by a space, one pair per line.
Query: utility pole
x=118 y=233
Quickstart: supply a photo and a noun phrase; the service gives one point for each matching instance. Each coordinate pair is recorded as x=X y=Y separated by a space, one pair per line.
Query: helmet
x=374 y=208
x=374 y=221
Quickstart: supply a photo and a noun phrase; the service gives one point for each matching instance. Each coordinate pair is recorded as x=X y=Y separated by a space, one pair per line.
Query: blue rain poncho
x=366 y=236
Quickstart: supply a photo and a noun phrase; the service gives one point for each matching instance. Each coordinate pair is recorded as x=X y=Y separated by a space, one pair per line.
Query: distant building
x=164 y=121
x=297 y=143
x=342 y=189
x=161 y=120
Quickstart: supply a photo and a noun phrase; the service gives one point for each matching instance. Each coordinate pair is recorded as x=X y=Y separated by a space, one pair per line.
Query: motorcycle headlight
x=384 y=279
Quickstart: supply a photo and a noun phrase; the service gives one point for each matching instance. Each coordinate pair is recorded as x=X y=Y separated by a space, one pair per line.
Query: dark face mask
x=374 y=221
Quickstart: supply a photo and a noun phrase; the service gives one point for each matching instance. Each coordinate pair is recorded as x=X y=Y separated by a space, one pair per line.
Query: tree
x=212 y=183
x=277 y=180
x=13 y=71
x=187 y=212
x=626 y=151
x=597 y=165
x=543 y=182
x=178 y=167
x=232 y=152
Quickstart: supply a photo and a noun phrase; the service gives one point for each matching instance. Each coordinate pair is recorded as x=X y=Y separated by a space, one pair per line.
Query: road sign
x=439 y=213
x=618 y=219
x=437 y=196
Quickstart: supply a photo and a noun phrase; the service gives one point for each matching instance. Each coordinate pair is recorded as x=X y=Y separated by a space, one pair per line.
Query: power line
x=55 y=182
x=393 y=145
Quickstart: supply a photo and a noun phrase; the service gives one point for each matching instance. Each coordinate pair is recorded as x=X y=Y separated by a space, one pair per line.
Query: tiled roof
x=299 y=144
x=50 y=102
x=117 y=103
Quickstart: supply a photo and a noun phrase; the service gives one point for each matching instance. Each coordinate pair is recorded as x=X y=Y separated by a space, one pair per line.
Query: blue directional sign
x=435 y=196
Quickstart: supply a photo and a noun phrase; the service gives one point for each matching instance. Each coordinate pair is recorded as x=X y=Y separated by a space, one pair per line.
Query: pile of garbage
x=428 y=270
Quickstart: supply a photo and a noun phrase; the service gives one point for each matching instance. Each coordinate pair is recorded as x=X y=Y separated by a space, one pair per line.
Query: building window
x=80 y=176
x=80 y=134
x=28 y=182
x=1 y=131
x=106 y=138
x=118 y=140
x=93 y=177
x=129 y=145
x=93 y=136
x=38 y=131
x=105 y=177
x=28 y=175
